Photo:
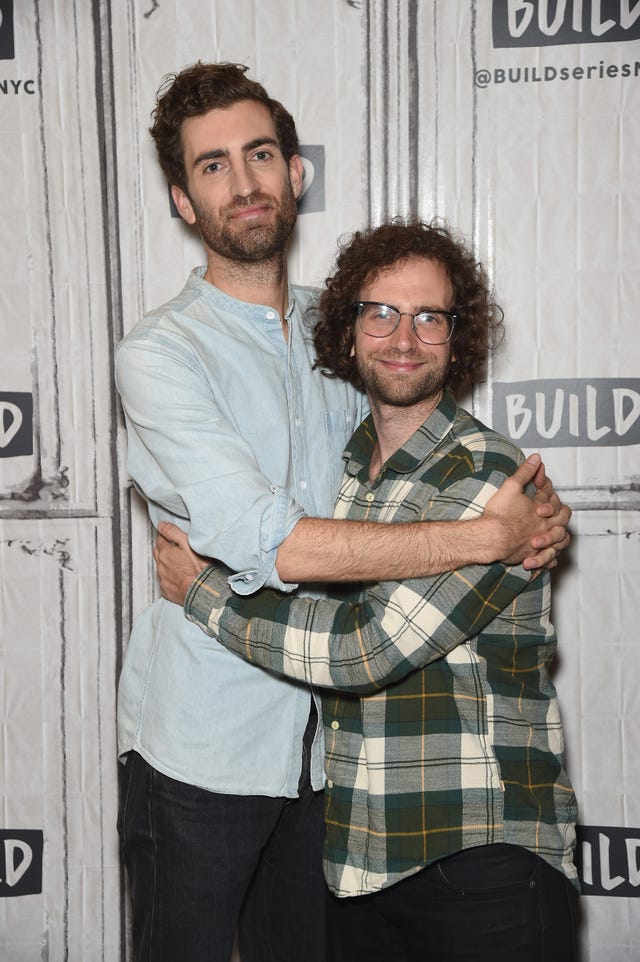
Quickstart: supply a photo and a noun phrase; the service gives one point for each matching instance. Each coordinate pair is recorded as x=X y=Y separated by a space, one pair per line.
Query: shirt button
x=270 y=315
x=370 y=496
x=329 y=783
x=335 y=724
x=303 y=485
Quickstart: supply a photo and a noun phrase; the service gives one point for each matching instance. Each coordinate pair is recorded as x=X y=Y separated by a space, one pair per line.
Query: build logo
x=608 y=860
x=16 y=424
x=312 y=197
x=20 y=862
x=598 y=412
x=7 y=44
x=542 y=23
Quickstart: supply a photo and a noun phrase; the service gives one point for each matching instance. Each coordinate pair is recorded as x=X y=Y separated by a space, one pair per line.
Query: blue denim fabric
x=200 y=864
x=494 y=903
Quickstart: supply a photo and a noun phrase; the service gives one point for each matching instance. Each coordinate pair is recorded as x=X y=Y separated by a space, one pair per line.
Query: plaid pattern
x=434 y=743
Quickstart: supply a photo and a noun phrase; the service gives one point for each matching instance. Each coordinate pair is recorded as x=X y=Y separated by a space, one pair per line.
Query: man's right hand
x=531 y=531
x=177 y=563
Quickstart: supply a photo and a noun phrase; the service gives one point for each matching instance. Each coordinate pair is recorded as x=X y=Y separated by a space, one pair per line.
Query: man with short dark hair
x=234 y=435
x=450 y=820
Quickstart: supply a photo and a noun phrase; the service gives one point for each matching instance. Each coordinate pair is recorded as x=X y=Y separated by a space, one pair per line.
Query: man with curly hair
x=450 y=819
x=234 y=435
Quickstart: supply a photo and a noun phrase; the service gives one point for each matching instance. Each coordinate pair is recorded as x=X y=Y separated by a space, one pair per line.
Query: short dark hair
x=478 y=329
x=195 y=91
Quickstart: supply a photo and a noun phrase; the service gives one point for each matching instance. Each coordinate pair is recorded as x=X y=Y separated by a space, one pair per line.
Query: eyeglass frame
x=452 y=315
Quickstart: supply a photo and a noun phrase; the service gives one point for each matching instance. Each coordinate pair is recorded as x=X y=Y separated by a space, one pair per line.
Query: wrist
x=185 y=586
x=189 y=581
x=487 y=535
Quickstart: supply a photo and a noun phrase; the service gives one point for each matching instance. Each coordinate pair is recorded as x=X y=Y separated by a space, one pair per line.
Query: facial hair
x=400 y=391
x=249 y=243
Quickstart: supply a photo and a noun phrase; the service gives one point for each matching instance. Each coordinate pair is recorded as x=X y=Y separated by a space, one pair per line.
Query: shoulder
x=169 y=327
x=486 y=446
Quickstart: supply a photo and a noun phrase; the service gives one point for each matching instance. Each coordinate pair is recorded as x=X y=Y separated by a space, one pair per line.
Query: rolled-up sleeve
x=191 y=462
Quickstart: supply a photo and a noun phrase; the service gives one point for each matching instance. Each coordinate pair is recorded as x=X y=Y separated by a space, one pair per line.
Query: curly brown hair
x=479 y=327
x=195 y=91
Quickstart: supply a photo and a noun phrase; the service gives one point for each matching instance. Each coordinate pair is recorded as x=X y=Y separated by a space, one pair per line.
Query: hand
x=538 y=523
x=177 y=563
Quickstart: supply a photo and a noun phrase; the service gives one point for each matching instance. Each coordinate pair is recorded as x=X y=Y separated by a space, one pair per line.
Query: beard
x=249 y=243
x=399 y=390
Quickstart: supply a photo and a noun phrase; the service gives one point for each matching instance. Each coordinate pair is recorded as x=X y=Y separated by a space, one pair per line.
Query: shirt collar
x=415 y=450
x=225 y=302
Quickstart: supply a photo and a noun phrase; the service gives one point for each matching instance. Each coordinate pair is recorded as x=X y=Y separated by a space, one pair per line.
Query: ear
x=183 y=205
x=296 y=174
x=352 y=352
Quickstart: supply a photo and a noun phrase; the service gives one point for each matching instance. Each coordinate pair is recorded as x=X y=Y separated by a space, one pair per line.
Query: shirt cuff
x=211 y=582
x=279 y=523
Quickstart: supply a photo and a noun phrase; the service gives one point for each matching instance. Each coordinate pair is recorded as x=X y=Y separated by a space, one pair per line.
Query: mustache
x=264 y=200
x=393 y=354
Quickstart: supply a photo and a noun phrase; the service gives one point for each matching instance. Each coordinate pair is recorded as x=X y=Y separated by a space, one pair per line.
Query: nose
x=404 y=337
x=243 y=182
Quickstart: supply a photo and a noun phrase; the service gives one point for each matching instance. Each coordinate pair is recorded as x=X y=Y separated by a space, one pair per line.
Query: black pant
x=495 y=903
x=200 y=864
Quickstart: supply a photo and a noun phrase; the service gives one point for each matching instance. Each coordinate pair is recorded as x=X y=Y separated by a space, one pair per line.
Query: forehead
x=415 y=282
x=227 y=128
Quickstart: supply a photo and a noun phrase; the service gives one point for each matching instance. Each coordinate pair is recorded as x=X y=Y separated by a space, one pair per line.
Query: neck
x=261 y=283
x=395 y=425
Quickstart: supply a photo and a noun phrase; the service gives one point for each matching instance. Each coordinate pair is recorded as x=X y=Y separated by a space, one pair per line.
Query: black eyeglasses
x=381 y=320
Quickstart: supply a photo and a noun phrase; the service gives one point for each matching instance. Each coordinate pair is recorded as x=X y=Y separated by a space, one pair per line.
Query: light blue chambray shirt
x=233 y=436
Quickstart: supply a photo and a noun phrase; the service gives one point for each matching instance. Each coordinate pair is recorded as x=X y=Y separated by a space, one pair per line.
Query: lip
x=400 y=367
x=250 y=213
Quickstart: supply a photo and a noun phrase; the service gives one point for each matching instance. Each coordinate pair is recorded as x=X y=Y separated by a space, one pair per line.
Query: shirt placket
x=302 y=480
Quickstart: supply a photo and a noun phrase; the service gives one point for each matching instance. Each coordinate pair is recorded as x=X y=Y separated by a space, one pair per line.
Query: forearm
x=360 y=646
x=508 y=527
x=317 y=550
x=326 y=550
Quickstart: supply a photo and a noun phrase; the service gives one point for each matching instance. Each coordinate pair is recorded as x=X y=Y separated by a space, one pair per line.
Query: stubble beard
x=400 y=391
x=246 y=243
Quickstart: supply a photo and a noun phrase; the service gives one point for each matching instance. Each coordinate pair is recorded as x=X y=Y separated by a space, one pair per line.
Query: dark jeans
x=200 y=864
x=496 y=903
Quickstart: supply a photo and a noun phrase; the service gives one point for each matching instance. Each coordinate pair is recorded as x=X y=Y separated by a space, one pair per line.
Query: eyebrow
x=423 y=309
x=219 y=152
x=426 y=308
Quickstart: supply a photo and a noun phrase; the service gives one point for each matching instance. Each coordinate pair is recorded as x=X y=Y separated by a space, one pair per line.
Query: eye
x=213 y=167
x=431 y=319
x=263 y=154
x=380 y=312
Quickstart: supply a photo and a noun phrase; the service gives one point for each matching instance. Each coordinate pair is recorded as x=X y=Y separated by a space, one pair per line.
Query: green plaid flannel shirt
x=443 y=730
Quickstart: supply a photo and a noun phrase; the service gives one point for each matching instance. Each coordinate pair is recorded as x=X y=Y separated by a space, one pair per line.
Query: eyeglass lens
x=381 y=320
